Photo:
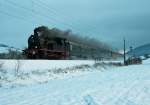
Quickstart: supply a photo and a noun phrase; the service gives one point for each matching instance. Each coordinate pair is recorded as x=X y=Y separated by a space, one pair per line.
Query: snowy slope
x=114 y=86
x=26 y=72
x=3 y=50
x=141 y=51
x=29 y=65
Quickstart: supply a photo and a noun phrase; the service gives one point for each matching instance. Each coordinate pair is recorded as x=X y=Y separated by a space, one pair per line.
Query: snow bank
x=128 y=85
x=27 y=72
x=30 y=65
x=146 y=61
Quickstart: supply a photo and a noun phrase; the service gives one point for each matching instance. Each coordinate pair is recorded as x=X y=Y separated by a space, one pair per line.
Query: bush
x=12 y=54
x=2 y=72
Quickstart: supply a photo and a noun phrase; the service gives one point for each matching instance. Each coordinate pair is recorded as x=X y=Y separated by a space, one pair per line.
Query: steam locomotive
x=48 y=48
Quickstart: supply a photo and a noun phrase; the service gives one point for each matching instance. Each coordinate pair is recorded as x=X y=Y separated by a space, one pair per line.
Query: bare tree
x=17 y=67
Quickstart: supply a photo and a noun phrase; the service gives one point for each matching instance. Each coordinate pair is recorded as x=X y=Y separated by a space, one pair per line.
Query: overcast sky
x=105 y=20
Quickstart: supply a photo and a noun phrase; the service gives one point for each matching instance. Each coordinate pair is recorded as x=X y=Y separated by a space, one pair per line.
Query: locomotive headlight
x=33 y=52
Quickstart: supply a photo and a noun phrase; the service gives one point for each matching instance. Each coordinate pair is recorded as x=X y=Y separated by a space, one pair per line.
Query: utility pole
x=124 y=51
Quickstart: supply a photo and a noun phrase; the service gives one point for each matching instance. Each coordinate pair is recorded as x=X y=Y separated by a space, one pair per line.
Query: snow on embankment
x=145 y=62
x=29 y=65
x=27 y=72
x=129 y=85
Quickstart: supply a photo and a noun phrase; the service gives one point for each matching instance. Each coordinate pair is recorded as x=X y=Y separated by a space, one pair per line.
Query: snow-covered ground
x=128 y=85
x=26 y=72
x=28 y=65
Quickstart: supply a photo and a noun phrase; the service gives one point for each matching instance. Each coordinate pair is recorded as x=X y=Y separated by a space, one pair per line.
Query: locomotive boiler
x=43 y=46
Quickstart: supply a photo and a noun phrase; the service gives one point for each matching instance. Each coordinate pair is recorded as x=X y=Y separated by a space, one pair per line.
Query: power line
x=55 y=12
x=39 y=13
x=13 y=5
x=44 y=5
x=33 y=12
x=14 y=16
x=70 y=25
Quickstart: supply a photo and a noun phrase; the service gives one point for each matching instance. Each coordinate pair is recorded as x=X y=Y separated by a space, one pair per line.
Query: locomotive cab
x=47 y=48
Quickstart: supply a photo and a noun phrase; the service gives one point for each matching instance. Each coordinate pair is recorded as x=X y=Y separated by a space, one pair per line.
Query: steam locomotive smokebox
x=46 y=44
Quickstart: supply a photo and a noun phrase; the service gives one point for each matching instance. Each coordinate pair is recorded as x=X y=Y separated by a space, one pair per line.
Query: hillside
x=140 y=51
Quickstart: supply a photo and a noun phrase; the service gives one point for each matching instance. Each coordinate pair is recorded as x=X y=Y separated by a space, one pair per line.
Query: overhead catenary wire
x=64 y=17
x=59 y=12
x=54 y=11
x=50 y=19
x=14 y=16
x=15 y=5
x=32 y=11
x=53 y=14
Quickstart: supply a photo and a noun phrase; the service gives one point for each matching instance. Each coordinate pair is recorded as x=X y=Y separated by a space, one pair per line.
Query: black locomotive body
x=47 y=47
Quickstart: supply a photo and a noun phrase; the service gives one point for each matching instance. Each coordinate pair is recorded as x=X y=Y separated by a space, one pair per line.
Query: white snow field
x=128 y=85
x=28 y=65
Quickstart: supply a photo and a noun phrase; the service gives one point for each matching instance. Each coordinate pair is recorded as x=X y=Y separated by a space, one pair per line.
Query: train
x=52 y=48
x=49 y=44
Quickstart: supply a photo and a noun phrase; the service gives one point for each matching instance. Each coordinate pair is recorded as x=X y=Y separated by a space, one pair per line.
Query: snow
x=129 y=85
x=3 y=50
x=29 y=65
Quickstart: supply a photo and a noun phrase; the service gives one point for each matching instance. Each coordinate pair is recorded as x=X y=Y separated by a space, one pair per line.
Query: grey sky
x=106 y=20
